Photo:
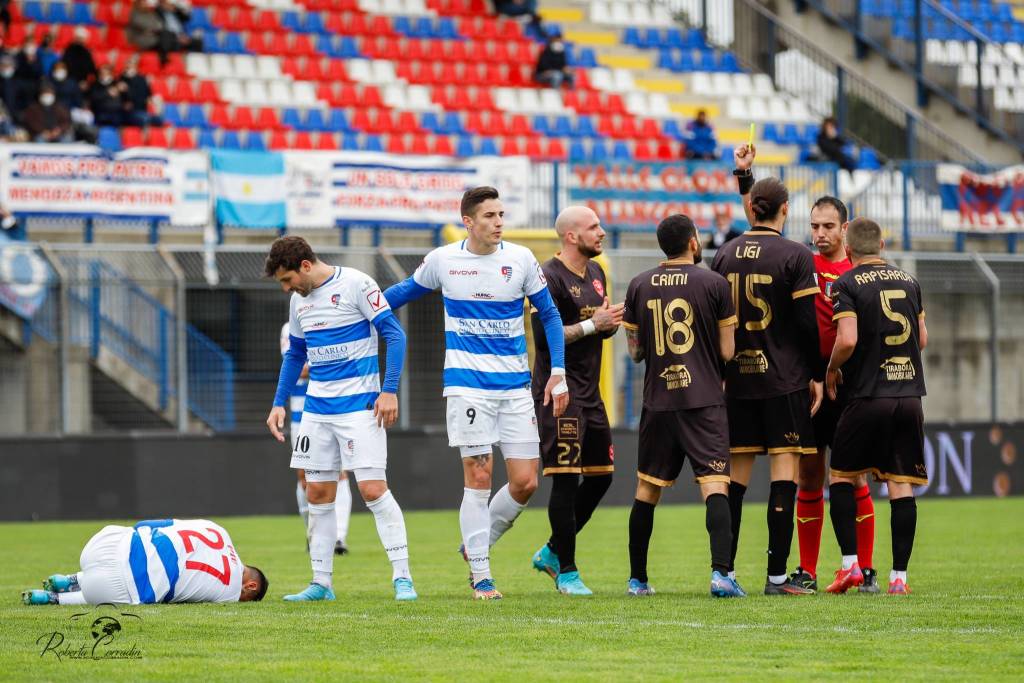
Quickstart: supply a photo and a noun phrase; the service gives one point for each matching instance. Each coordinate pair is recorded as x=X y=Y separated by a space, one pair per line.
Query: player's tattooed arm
x=633 y=345
x=573 y=333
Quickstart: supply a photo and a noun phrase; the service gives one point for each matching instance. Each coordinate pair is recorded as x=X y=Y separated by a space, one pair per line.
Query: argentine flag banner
x=249 y=189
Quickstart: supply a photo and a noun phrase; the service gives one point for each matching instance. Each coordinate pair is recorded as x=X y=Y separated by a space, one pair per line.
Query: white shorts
x=476 y=423
x=347 y=442
x=102 y=561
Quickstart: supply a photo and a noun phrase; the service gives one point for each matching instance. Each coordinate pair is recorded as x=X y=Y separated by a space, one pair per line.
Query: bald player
x=579 y=442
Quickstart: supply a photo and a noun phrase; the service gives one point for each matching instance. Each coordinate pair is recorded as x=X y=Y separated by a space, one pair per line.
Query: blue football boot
x=404 y=590
x=724 y=587
x=570 y=583
x=545 y=560
x=313 y=592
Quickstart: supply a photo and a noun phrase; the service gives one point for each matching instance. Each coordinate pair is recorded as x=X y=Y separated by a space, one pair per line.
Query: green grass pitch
x=964 y=621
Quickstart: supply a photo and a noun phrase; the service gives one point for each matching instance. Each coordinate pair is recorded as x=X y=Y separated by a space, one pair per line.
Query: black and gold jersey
x=886 y=301
x=678 y=309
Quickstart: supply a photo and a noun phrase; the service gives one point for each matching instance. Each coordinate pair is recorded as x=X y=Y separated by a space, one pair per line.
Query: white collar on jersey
x=501 y=245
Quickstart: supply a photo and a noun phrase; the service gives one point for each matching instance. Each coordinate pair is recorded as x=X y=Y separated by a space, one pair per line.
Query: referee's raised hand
x=744 y=156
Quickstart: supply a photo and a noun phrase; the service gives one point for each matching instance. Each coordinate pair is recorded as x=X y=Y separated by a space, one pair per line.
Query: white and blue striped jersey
x=180 y=560
x=297 y=400
x=484 y=329
x=341 y=344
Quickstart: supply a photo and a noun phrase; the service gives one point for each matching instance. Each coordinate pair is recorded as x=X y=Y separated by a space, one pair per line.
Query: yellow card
x=750 y=139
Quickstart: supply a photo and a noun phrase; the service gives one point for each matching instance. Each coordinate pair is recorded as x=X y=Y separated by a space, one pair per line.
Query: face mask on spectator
x=7 y=71
x=30 y=50
x=59 y=74
x=46 y=99
x=557 y=47
x=8 y=222
x=130 y=72
x=106 y=80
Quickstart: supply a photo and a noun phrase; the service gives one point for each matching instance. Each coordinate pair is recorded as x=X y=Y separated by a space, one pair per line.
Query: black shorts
x=826 y=419
x=578 y=442
x=667 y=438
x=881 y=436
x=780 y=424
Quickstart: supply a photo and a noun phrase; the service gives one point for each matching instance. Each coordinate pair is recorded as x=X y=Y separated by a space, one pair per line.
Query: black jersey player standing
x=877 y=358
x=680 y=321
x=580 y=440
x=774 y=382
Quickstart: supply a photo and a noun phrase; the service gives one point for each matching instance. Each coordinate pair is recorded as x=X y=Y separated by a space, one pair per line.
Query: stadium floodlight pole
x=65 y=337
x=993 y=333
x=181 y=347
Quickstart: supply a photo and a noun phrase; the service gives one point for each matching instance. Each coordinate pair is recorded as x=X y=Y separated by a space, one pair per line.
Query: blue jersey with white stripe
x=176 y=560
x=298 y=398
x=341 y=344
x=484 y=329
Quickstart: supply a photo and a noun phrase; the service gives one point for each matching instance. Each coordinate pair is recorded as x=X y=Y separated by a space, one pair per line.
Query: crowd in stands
x=48 y=96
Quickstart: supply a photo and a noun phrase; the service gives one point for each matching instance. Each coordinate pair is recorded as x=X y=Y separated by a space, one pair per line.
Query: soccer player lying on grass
x=163 y=560
x=877 y=357
x=484 y=281
x=681 y=320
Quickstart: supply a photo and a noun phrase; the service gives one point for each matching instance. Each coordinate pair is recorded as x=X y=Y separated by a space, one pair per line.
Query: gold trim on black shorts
x=882 y=476
x=654 y=480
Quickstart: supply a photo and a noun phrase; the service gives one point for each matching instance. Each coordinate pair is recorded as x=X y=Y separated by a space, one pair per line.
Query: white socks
x=849 y=561
x=72 y=598
x=391 y=529
x=323 y=532
x=300 y=499
x=893 y=575
x=475 y=522
x=778 y=580
x=504 y=509
x=343 y=508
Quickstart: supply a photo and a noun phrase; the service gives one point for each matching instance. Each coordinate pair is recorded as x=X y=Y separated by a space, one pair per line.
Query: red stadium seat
x=571 y=98
x=314 y=70
x=243 y=118
x=667 y=151
x=302 y=45
x=326 y=141
x=183 y=91
x=221 y=17
x=415 y=50
x=302 y=140
x=291 y=67
x=244 y=20
x=278 y=140
x=327 y=93
x=457 y=52
x=582 y=81
x=355 y=25
x=381 y=26
x=396 y=144
x=335 y=22
x=556 y=150
x=267 y=21
x=627 y=127
x=495 y=125
x=482 y=98
x=361 y=120
x=348 y=96
x=500 y=53
x=496 y=76
x=182 y=139
x=336 y=70
x=208 y=92
x=131 y=136
x=520 y=75
x=383 y=122
x=219 y=117
x=649 y=128
x=418 y=144
x=460 y=100
x=510 y=147
x=643 y=152
x=407 y=123
x=606 y=126
x=533 y=149
x=370 y=97
x=267 y=119
x=158 y=86
x=257 y=44
x=443 y=145
x=475 y=122
x=156 y=137
x=439 y=95
x=519 y=125
x=509 y=30
x=615 y=105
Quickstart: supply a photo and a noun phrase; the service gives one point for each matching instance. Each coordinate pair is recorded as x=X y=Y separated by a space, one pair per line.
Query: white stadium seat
x=221 y=66
x=601 y=79
x=599 y=13
x=418 y=98
x=642 y=15
x=383 y=71
x=245 y=66
x=303 y=94
x=700 y=83
x=505 y=99
x=737 y=108
x=620 y=14
x=763 y=85
x=359 y=70
x=721 y=84
x=198 y=65
x=636 y=103
x=231 y=90
x=268 y=67
x=395 y=97
x=658 y=105
x=624 y=80
x=551 y=102
x=529 y=101
x=256 y=93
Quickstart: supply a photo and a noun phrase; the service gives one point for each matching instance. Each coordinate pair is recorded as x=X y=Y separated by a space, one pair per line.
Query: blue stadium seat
x=229 y=140
x=290 y=117
x=542 y=126
x=585 y=128
x=488 y=147
x=452 y=124
x=428 y=120
x=631 y=36
x=314 y=23
x=695 y=39
x=708 y=61
x=686 y=61
x=373 y=143
x=402 y=25
x=350 y=142
x=194 y=117
x=446 y=29
x=598 y=150
x=109 y=139
x=291 y=21
x=577 y=152
x=586 y=58
x=172 y=115
x=869 y=160
x=206 y=139
x=328 y=46
x=621 y=151
x=81 y=14
x=33 y=11
x=231 y=43
x=58 y=13
x=674 y=39
x=254 y=142
x=464 y=147
x=790 y=135
x=667 y=60
x=424 y=28
x=337 y=121
x=562 y=128
x=347 y=48
x=314 y=120
x=811 y=131
x=770 y=132
x=670 y=127
x=730 y=64
x=200 y=20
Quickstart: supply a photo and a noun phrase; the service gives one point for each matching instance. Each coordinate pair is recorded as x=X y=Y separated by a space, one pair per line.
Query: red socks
x=810 y=516
x=865 y=528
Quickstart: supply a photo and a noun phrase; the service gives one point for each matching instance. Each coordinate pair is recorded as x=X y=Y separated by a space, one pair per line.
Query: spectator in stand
x=78 y=59
x=520 y=8
x=174 y=37
x=7 y=129
x=144 y=25
x=46 y=120
x=28 y=72
x=723 y=230
x=831 y=144
x=47 y=55
x=5 y=15
x=106 y=99
x=70 y=95
x=552 y=67
x=136 y=92
x=702 y=143
x=9 y=85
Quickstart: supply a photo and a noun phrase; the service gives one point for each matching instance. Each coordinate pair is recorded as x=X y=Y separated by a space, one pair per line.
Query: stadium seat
x=109 y=139
x=229 y=140
x=442 y=145
x=254 y=142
